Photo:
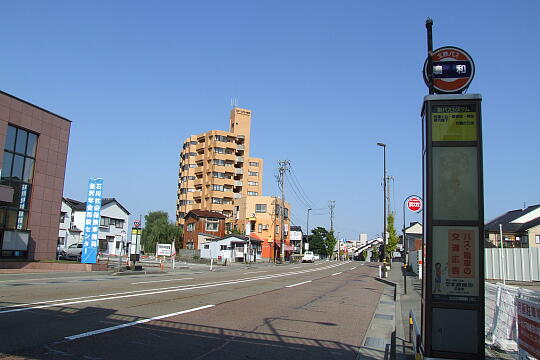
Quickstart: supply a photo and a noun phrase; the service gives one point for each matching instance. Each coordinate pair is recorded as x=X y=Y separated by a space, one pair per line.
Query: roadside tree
x=158 y=229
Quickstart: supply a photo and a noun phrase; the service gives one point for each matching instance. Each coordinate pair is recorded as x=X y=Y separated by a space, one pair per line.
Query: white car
x=308 y=257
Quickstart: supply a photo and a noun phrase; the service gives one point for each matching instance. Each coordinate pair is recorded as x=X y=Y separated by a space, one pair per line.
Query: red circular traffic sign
x=137 y=223
x=414 y=203
x=453 y=70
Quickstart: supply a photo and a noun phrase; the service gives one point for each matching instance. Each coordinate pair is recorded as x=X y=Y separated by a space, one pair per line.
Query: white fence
x=515 y=264
x=501 y=317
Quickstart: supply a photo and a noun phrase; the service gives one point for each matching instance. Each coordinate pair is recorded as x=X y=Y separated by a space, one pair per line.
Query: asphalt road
x=314 y=311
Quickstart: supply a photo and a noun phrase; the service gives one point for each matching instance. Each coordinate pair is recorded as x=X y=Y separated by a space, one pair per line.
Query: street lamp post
x=307 y=233
x=384 y=196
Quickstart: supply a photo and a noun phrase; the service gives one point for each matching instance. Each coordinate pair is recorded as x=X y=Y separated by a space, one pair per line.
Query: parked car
x=308 y=257
x=73 y=251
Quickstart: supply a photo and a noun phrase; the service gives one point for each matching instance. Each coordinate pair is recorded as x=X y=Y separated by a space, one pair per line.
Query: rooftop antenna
x=234 y=102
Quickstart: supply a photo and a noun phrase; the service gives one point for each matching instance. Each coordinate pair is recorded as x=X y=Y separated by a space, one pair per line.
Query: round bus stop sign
x=453 y=70
x=414 y=203
x=137 y=223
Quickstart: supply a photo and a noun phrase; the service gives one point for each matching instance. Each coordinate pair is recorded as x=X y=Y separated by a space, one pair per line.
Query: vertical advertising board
x=453 y=315
x=528 y=328
x=91 y=221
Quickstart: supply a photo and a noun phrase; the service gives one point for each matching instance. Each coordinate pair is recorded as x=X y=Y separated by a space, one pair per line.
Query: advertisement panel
x=163 y=250
x=528 y=328
x=454 y=266
x=91 y=221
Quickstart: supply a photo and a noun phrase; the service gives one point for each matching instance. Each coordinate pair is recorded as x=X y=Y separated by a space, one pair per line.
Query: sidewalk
x=389 y=327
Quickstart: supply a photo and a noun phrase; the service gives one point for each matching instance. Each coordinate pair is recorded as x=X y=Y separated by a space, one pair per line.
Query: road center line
x=112 y=328
x=155 y=281
x=336 y=273
x=254 y=272
x=301 y=283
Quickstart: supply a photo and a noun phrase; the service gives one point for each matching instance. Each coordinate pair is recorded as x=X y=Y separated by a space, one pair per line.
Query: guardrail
x=415 y=337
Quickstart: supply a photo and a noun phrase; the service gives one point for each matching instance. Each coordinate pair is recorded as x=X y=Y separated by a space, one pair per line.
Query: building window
x=217 y=187
x=223 y=247
x=17 y=172
x=253 y=173
x=212 y=225
x=253 y=183
x=222 y=138
x=61 y=241
x=118 y=223
x=63 y=216
x=260 y=208
x=216 y=200
x=190 y=227
x=104 y=221
x=277 y=229
x=253 y=193
x=219 y=150
x=260 y=228
x=206 y=246
x=252 y=163
x=537 y=239
x=286 y=213
x=220 y=175
x=219 y=162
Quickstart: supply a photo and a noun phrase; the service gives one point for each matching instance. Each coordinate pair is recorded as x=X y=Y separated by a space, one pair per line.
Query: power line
x=302 y=192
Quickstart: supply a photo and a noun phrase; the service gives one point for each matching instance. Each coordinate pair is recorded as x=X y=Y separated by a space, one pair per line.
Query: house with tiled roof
x=113 y=224
x=198 y=223
x=520 y=228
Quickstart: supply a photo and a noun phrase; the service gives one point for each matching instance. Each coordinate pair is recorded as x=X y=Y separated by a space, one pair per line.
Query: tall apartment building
x=216 y=168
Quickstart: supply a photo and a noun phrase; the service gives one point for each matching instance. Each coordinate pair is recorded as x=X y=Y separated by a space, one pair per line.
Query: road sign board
x=453 y=70
x=414 y=203
x=136 y=223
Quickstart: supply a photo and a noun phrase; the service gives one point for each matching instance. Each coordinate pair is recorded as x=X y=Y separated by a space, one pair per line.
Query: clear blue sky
x=325 y=80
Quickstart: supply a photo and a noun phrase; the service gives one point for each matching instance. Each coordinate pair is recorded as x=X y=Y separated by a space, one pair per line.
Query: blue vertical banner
x=91 y=221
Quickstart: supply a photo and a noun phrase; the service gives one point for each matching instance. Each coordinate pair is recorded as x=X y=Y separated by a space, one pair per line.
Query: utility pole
x=384 y=196
x=307 y=232
x=331 y=206
x=284 y=166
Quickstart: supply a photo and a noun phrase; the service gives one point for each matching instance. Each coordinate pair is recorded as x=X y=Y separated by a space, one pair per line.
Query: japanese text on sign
x=454 y=123
x=528 y=327
x=461 y=253
x=91 y=221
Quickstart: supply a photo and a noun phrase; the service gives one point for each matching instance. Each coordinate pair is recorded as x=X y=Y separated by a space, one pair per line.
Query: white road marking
x=112 y=328
x=103 y=297
x=353 y=268
x=254 y=272
x=296 y=267
x=302 y=283
x=336 y=273
x=156 y=281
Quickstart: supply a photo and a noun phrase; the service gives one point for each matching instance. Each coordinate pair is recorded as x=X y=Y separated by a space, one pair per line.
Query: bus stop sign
x=453 y=70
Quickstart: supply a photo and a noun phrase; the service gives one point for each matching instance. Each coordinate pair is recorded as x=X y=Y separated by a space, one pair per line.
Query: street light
x=307 y=233
x=384 y=196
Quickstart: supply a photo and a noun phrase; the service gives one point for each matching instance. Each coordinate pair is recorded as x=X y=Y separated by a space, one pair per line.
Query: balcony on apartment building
x=240 y=147
x=238 y=183
x=240 y=159
x=238 y=171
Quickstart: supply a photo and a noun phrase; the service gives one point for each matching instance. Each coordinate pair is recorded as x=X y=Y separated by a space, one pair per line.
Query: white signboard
x=163 y=250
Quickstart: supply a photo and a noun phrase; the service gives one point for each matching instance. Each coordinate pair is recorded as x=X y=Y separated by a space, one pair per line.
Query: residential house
x=232 y=248
x=113 y=224
x=413 y=236
x=520 y=228
x=199 y=222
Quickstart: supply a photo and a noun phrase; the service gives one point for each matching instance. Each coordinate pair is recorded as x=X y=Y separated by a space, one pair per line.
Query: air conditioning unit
x=265 y=227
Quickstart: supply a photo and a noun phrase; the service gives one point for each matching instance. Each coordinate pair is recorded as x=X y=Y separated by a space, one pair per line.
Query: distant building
x=35 y=143
x=201 y=222
x=296 y=238
x=233 y=248
x=114 y=219
x=262 y=215
x=413 y=239
x=216 y=168
x=521 y=228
